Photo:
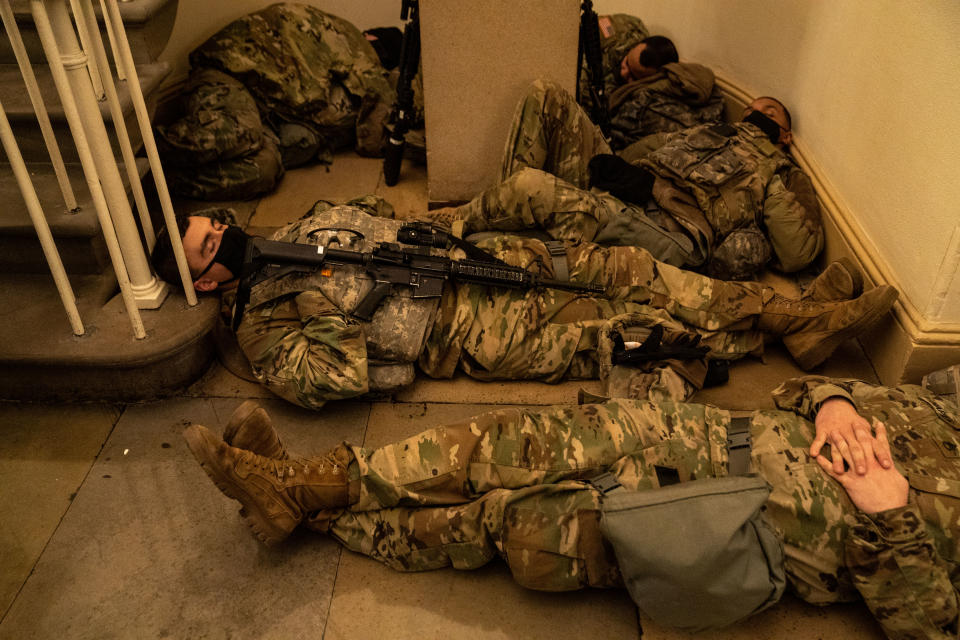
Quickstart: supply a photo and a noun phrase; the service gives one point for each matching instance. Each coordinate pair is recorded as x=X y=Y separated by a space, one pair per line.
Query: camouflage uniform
x=722 y=191
x=619 y=33
x=308 y=68
x=509 y=484
x=680 y=95
x=213 y=143
x=305 y=347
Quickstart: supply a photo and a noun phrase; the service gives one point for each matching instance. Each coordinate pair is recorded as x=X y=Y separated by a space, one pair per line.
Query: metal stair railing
x=80 y=76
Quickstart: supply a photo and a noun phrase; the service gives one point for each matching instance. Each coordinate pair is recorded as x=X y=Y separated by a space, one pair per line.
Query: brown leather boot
x=250 y=428
x=841 y=280
x=275 y=494
x=812 y=330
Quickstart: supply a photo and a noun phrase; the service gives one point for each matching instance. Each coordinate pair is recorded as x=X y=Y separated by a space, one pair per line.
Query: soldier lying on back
x=304 y=344
x=523 y=484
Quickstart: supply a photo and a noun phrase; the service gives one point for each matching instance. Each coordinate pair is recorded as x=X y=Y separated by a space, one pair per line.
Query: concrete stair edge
x=133 y=12
x=106 y=363
x=17 y=103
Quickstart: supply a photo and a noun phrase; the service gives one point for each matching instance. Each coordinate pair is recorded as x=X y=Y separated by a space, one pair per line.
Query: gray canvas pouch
x=696 y=555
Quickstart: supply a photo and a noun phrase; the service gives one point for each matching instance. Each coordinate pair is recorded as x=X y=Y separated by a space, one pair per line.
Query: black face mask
x=233 y=245
x=769 y=127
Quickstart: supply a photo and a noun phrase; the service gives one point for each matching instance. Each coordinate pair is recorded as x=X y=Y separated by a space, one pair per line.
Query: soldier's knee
x=741 y=255
x=528 y=180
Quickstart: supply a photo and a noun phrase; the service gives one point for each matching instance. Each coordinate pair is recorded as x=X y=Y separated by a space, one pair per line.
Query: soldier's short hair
x=162 y=258
x=659 y=51
x=786 y=112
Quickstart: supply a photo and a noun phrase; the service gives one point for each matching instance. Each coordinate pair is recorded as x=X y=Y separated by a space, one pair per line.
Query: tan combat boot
x=275 y=494
x=841 y=280
x=812 y=330
x=250 y=428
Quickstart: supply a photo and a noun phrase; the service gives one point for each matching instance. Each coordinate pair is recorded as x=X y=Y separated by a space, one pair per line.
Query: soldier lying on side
x=724 y=198
x=516 y=484
x=304 y=345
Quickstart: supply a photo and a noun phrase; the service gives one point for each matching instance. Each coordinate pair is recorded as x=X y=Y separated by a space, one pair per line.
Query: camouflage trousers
x=547 y=334
x=509 y=484
x=544 y=184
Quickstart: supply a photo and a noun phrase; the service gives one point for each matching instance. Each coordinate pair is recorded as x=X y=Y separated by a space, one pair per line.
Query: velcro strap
x=738 y=446
x=558 y=254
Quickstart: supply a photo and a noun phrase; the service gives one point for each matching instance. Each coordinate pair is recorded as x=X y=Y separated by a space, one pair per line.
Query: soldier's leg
x=550 y=131
x=535 y=199
x=549 y=535
x=516 y=448
x=741 y=311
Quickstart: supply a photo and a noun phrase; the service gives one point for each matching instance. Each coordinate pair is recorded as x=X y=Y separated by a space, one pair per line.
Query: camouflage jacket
x=619 y=32
x=297 y=331
x=739 y=180
x=213 y=143
x=903 y=562
x=681 y=95
x=304 y=65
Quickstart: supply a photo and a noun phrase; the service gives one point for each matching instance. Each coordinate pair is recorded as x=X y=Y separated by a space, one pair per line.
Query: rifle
x=589 y=48
x=402 y=116
x=389 y=264
x=685 y=347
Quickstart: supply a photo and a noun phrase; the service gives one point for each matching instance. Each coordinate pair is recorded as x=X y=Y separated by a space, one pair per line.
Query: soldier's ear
x=205 y=285
x=786 y=137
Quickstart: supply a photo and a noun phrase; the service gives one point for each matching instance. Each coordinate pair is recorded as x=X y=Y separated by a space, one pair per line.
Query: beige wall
x=476 y=67
x=874 y=88
x=197 y=20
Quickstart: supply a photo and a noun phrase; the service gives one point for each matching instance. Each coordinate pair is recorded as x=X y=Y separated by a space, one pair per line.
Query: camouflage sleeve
x=791 y=214
x=804 y=396
x=304 y=350
x=896 y=568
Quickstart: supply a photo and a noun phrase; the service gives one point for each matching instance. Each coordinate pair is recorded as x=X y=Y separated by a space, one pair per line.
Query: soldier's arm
x=831 y=405
x=304 y=350
x=791 y=215
x=891 y=557
x=896 y=569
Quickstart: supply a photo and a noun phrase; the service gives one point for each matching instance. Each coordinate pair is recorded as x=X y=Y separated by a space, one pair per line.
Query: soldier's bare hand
x=839 y=424
x=879 y=488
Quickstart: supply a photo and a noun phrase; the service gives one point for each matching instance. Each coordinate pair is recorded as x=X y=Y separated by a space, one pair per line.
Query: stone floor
x=109 y=528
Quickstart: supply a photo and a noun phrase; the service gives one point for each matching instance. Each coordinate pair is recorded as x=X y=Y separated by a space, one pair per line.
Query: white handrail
x=150 y=145
x=45 y=31
x=83 y=12
x=39 y=222
x=33 y=89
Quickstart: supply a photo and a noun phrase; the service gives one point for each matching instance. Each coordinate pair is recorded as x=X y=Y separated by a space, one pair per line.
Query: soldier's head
x=647 y=57
x=772 y=117
x=214 y=252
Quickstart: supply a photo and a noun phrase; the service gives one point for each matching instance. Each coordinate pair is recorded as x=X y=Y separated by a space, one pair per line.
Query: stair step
x=76 y=234
x=148 y=25
x=19 y=109
x=107 y=362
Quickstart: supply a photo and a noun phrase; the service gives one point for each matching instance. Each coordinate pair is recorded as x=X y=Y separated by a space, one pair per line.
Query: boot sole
x=265 y=531
x=825 y=347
